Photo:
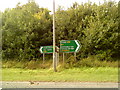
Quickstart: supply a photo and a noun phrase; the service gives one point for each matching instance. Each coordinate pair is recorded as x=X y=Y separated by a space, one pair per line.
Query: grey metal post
x=43 y=58
x=58 y=58
x=75 y=55
x=54 y=56
x=63 y=59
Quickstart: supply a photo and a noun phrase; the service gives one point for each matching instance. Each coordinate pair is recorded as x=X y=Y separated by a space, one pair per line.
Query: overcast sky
x=45 y=3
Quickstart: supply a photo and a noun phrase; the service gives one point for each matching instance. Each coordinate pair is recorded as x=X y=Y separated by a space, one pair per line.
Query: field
x=83 y=74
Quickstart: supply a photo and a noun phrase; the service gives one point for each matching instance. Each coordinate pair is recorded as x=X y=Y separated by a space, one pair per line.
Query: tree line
x=27 y=27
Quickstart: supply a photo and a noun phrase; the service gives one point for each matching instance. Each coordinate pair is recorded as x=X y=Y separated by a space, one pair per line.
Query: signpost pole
x=54 y=56
x=63 y=58
x=75 y=55
x=58 y=58
x=43 y=58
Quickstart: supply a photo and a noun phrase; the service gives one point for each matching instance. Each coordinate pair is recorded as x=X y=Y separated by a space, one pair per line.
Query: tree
x=23 y=31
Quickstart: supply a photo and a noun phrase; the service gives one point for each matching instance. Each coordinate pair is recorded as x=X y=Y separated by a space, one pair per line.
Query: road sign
x=67 y=46
x=47 y=49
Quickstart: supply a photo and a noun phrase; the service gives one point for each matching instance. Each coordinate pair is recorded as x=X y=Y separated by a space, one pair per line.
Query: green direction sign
x=47 y=49
x=69 y=46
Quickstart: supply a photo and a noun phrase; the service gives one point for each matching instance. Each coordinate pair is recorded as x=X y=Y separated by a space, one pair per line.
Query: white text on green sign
x=69 y=46
x=46 y=49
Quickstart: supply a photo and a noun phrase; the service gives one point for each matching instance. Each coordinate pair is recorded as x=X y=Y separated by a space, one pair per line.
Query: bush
x=92 y=61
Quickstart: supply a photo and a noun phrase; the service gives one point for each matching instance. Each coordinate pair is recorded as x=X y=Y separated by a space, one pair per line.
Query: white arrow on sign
x=78 y=45
x=41 y=49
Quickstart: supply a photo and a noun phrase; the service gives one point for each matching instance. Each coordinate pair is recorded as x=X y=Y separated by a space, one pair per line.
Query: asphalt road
x=59 y=84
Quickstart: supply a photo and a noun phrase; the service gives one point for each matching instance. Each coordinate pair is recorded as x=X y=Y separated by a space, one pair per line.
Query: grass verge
x=83 y=74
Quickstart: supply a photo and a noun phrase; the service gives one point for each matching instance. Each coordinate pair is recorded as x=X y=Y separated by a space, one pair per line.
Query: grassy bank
x=69 y=63
x=85 y=74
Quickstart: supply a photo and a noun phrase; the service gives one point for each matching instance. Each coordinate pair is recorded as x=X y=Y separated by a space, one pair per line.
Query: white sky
x=45 y=3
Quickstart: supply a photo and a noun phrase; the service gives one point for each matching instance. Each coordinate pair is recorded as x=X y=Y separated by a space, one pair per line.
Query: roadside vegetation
x=87 y=70
x=69 y=63
x=27 y=27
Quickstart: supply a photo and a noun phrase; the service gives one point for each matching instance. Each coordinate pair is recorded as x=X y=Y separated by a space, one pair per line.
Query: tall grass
x=91 y=61
x=33 y=64
x=70 y=62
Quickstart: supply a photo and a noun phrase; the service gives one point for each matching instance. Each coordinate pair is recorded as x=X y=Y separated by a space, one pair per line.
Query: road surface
x=30 y=84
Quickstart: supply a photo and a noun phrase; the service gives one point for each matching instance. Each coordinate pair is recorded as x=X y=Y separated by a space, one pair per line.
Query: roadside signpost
x=68 y=46
x=48 y=50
